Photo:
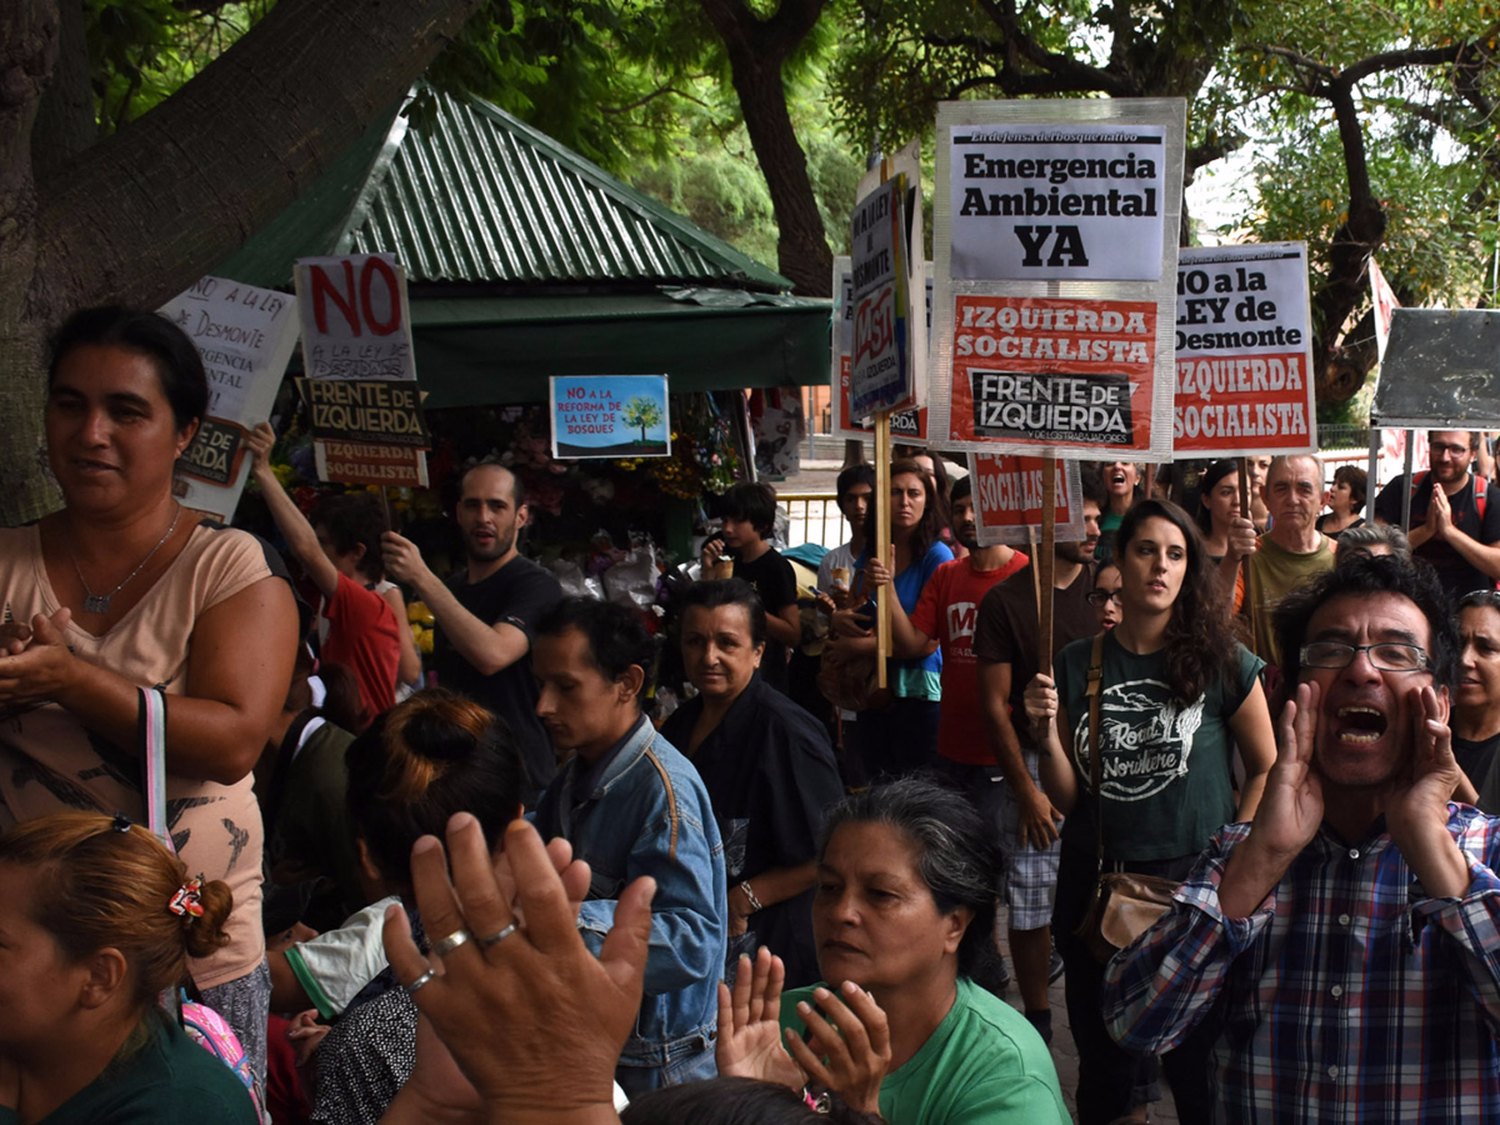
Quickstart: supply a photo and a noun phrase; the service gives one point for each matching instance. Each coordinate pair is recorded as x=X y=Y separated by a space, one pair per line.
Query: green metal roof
x=472 y=196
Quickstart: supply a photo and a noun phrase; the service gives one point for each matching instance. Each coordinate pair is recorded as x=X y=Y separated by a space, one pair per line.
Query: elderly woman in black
x=768 y=768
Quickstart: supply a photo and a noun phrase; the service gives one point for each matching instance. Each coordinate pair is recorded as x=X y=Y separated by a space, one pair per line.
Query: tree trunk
x=757 y=50
x=139 y=216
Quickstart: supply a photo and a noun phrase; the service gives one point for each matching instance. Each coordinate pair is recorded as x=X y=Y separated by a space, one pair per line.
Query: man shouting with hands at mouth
x=1352 y=930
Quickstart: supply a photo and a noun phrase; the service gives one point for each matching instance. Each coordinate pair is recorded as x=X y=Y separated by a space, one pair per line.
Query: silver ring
x=451 y=942
x=496 y=939
x=414 y=986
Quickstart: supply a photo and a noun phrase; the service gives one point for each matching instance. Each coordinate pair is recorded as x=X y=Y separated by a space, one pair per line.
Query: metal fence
x=813 y=517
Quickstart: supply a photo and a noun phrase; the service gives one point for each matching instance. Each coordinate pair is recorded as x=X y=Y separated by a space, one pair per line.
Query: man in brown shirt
x=1005 y=646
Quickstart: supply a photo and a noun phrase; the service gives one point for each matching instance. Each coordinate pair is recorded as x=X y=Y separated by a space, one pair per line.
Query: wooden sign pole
x=1248 y=602
x=881 y=548
x=1045 y=565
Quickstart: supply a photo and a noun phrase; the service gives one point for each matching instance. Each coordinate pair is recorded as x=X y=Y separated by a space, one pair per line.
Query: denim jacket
x=650 y=815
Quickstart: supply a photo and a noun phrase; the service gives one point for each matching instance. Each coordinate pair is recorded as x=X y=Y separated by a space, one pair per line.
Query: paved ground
x=1065 y=1055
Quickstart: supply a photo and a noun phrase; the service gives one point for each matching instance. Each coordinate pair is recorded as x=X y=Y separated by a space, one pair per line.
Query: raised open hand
x=750 y=1024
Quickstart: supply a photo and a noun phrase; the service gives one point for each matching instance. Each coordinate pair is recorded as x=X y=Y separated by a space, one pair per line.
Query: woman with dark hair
x=1346 y=499
x=904 y=907
x=123 y=588
x=1177 y=695
x=1217 y=502
x=97 y=920
x=1475 y=719
x=415 y=767
x=903 y=736
x=768 y=768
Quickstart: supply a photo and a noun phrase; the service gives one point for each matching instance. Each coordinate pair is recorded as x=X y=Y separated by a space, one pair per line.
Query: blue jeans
x=688 y=1060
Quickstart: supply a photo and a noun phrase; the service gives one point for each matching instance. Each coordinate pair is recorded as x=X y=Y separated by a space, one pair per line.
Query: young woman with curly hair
x=1178 y=695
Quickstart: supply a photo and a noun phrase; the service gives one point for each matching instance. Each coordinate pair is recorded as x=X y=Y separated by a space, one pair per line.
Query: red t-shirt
x=948 y=611
x=362 y=635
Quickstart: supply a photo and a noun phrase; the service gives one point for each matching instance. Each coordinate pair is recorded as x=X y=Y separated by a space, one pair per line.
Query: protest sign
x=245 y=336
x=356 y=322
x=1053 y=373
x=1054 y=295
x=381 y=412
x=908 y=426
x=360 y=462
x=880 y=365
x=1074 y=202
x=610 y=416
x=1441 y=371
x=1008 y=499
x=1244 y=352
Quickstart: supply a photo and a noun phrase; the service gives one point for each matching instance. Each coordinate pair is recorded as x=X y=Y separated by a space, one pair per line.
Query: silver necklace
x=99 y=603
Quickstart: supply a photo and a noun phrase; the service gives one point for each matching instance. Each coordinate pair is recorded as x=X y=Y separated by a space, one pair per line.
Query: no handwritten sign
x=356 y=323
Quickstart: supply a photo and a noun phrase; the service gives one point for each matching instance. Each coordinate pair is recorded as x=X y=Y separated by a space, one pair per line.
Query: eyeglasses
x=1097 y=598
x=1384 y=657
x=1444 y=449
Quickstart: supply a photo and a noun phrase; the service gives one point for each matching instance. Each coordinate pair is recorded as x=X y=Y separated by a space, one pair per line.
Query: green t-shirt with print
x=985 y=1063
x=1166 y=770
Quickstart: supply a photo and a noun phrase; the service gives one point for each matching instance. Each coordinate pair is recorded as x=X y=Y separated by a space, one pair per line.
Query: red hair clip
x=188 y=899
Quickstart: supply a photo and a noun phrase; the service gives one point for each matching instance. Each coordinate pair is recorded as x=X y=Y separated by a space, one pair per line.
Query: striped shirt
x=1350 y=996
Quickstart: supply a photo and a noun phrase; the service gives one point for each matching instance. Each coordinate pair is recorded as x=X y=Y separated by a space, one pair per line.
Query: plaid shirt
x=1350 y=995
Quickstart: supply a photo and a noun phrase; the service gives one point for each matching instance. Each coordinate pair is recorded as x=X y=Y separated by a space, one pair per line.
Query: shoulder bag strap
x=1095 y=691
x=151 y=739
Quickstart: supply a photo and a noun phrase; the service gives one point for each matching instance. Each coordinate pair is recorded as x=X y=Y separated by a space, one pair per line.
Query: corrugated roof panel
x=477 y=196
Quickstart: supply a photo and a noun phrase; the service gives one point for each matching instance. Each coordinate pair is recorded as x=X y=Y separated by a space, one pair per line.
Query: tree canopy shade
x=1421 y=75
x=142 y=213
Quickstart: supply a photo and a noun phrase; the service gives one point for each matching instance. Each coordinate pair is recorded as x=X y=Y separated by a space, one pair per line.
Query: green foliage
x=709 y=172
x=141 y=51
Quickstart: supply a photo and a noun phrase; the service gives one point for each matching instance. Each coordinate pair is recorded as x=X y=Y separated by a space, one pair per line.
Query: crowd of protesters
x=508 y=890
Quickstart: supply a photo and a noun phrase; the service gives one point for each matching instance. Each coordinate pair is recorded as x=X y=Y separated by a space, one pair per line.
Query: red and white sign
x=1244 y=352
x=1008 y=499
x=1048 y=373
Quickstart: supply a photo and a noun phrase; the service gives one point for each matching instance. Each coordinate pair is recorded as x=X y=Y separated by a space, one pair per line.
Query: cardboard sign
x=381 y=412
x=880 y=364
x=1008 y=499
x=1441 y=371
x=245 y=336
x=356 y=322
x=358 y=462
x=1052 y=373
x=1244 y=352
x=1054 y=295
x=610 y=416
x=908 y=426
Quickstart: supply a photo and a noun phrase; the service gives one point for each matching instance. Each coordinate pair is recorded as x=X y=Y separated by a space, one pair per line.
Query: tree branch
x=177 y=191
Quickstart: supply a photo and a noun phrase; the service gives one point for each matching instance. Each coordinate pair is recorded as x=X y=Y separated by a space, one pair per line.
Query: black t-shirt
x=1477 y=760
x=770 y=774
x=1455 y=572
x=776 y=583
x=1006 y=632
x=519 y=593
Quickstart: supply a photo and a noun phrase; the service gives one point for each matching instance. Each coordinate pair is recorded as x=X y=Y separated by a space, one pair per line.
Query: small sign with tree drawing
x=610 y=416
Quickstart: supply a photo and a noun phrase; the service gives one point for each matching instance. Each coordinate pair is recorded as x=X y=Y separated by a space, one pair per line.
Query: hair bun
x=204 y=935
x=431 y=734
